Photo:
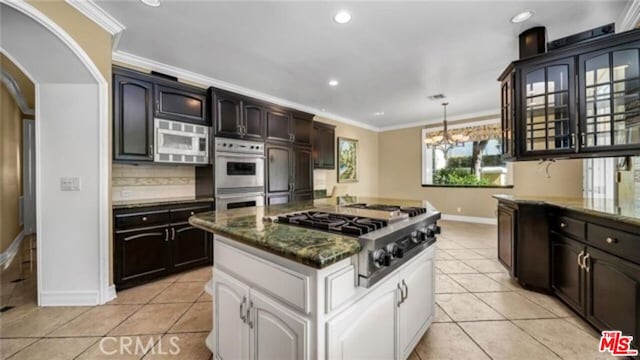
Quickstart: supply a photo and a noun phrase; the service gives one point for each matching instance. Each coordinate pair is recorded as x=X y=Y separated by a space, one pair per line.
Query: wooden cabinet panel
x=302 y=170
x=253 y=121
x=507 y=94
x=507 y=236
x=613 y=286
x=566 y=272
x=277 y=332
x=231 y=300
x=278 y=126
x=189 y=246
x=302 y=129
x=132 y=118
x=142 y=254
x=416 y=312
x=370 y=332
x=616 y=242
x=279 y=160
x=568 y=226
x=181 y=103
x=324 y=146
x=227 y=114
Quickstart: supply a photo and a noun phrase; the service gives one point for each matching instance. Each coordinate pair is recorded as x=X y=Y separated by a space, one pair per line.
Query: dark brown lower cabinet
x=190 y=246
x=612 y=287
x=142 y=254
x=153 y=242
x=567 y=279
x=506 y=236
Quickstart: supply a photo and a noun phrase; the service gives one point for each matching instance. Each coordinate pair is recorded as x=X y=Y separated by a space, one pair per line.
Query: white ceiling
x=389 y=58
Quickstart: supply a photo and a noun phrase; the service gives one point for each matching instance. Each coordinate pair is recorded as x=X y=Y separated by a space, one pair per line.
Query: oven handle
x=238 y=195
x=243 y=156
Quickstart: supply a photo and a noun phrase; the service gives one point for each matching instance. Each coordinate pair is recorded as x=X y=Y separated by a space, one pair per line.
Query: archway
x=71 y=144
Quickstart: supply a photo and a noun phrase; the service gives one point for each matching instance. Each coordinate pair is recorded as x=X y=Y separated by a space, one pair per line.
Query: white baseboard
x=111 y=293
x=470 y=219
x=10 y=253
x=69 y=298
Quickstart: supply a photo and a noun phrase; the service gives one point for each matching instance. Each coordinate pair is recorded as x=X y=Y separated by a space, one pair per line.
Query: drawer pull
x=580 y=263
x=144 y=218
x=587 y=265
x=563 y=225
x=611 y=240
x=192 y=213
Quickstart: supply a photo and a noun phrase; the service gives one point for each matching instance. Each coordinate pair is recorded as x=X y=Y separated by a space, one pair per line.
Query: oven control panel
x=239 y=146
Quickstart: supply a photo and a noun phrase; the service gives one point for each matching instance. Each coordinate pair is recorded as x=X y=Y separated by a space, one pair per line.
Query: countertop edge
x=593 y=212
x=160 y=202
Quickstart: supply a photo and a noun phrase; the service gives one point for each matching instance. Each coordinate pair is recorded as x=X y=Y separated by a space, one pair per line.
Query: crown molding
x=205 y=81
x=630 y=16
x=96 y=14
x=16 y=93
x=422 y=124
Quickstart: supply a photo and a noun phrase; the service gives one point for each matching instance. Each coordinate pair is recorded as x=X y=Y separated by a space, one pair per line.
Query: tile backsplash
x=146 y=182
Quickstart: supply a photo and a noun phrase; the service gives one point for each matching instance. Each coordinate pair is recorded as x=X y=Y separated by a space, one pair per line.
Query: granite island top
x=314 y=248
x=626 y=212
x=130 y=204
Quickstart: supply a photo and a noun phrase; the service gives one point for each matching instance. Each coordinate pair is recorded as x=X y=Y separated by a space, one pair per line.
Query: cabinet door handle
x=166 y=234
x=584 y=139
x=563 y=225
x=249 y=314
x=580 y=264
x=144 y=218
x=611 y=240
x=173 y=233
x=406 y=290
x=573 y=140
x=151 y=149
x=587 y=266
x=401 y=295
x=242 y=316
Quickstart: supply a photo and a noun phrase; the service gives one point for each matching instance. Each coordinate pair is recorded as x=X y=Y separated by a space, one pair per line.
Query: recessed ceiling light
x=523 y=16
x=342 y=17
x=152 y=3
x=333 y=82
x=378 y=113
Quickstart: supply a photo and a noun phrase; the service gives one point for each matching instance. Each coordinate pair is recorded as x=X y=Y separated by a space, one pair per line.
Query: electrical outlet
x=459 y=210
x=70 y=184
x=125 y=194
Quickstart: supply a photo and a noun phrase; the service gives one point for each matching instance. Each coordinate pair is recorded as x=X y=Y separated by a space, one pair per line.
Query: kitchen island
x=283 y=291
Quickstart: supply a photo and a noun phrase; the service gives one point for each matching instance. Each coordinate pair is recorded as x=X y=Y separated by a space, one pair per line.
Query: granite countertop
x=314 y=248
x=130 y=204
x=626 y=212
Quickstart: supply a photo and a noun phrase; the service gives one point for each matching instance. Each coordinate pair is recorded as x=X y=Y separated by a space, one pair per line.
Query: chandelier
x=445 y=141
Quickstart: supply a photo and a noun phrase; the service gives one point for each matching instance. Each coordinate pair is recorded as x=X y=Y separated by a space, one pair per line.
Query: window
x=476 y=162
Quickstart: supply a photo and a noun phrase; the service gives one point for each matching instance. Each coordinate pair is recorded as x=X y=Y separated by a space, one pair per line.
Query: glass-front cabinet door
x=548 y=118
x=610 y=98
x=506 y=96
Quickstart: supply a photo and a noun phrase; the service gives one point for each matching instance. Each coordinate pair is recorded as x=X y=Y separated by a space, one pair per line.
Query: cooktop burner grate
x=411 y=211
x=344 y=224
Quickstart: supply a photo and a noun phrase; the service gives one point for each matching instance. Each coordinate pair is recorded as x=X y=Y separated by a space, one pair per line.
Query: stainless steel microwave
x=182 y=143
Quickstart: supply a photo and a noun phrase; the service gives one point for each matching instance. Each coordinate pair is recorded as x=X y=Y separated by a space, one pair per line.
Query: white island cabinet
x=267 y=307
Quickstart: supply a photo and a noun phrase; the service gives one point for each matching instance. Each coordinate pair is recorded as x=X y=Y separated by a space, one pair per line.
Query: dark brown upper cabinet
x=289 y=174
x=132 y=117
x=227 y=114
x=279 y=126
x=575 y=102
x=235 y=116
x=324 y=146
x=302 y=128
x=610 y=98
x=252 y=121
x=549 y=119
x=180 y=102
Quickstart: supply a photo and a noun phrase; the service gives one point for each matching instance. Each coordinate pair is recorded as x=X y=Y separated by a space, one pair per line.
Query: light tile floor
x=480 y=314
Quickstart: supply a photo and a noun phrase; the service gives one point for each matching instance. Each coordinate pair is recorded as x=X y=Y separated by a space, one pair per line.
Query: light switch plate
x=70 y=184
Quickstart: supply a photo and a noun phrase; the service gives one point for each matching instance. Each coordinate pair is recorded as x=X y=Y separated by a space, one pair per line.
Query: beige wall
x=11 y=165
x=367 y=184
x=399 y=174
